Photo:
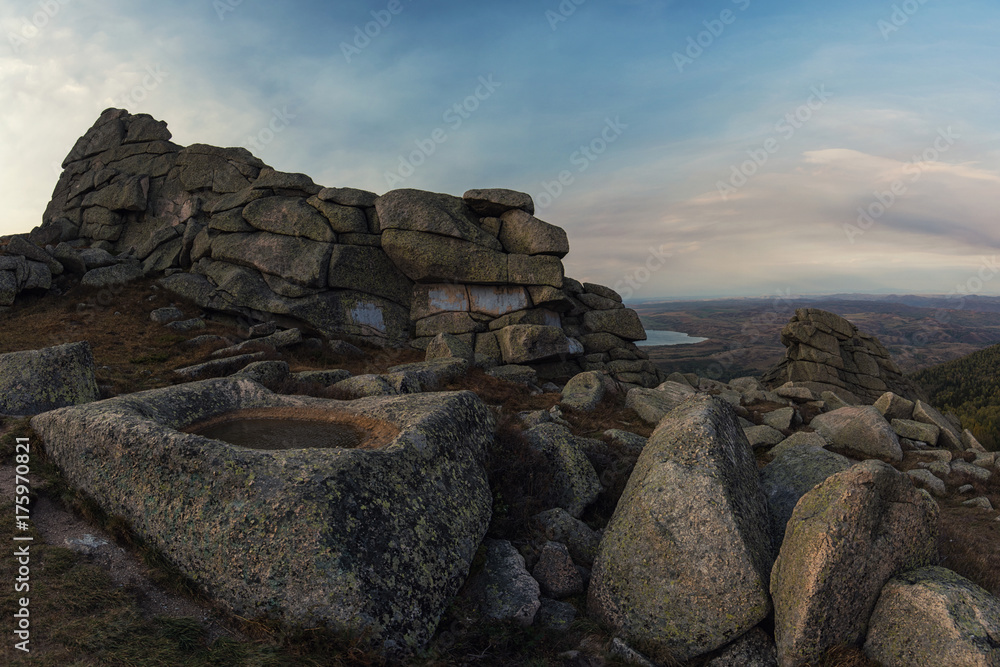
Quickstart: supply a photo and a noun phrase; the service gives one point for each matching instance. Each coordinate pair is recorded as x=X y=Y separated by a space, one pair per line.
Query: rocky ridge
x=234 y=236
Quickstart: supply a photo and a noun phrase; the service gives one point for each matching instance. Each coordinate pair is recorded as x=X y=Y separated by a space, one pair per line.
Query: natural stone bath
x=295 y=428
x=377 y=537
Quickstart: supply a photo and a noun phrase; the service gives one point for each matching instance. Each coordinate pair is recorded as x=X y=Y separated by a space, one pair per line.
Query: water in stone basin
x=274 y=434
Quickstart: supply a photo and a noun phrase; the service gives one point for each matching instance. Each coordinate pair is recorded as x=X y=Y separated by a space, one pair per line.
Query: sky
x=689 y=149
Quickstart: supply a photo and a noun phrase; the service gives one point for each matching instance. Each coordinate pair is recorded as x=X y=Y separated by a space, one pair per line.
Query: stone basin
x=295 y=428
x=377 y=537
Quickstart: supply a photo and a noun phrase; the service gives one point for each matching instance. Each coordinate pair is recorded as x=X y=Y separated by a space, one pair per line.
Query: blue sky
x=705 y=148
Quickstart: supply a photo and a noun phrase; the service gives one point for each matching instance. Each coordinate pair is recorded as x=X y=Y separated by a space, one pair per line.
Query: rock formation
x=826 y=352
x=376 y=538
x=231 y=234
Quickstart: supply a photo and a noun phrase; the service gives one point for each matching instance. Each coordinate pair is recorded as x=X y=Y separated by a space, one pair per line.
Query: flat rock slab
x=683 y=566
x=861 y=432
x=847 y=537
x=377 y=538
x=36 y=381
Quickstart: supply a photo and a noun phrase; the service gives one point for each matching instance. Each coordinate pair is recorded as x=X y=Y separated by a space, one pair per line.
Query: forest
x=969 y=387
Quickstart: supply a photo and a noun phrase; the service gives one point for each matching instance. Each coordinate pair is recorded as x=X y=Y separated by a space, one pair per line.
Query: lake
x=668 y=338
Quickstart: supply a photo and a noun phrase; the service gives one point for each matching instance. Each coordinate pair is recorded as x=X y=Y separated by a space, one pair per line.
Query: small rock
x=555 y=572
x=970 y=471
x=763 y=436
x=913 y=430
x=268 y=373
x=504 y=589
x=780 y=419
x=164 y=315
x=558 y=525
x=799 y=394
x=342 y=348
x=262 y=329
x=325 y=378
x=514 y=373
x=966 y=488
x=893 y=406
x=448 y=346
x=584 y=391
x=183 y=326
x=981 y=501
x=555 y=615
x=925 y=479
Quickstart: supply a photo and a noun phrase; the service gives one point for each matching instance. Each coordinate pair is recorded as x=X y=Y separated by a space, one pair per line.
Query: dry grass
x=844 y=656
x=131 y=352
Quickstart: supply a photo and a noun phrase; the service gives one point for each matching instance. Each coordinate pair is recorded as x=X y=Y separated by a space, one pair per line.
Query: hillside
x=743 y=334
x=969 y=387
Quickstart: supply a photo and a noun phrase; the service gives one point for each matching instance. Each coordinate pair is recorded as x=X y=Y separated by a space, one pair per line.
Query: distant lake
x=668 y=338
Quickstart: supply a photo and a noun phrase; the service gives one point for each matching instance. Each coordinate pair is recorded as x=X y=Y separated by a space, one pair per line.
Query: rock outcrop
x=826 y=352
x=376 y=538
x=229 y=233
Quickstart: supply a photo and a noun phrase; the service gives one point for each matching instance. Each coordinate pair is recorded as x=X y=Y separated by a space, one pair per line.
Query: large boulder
x=572 y=480
x=950 y=437
x=859 y=431
x=683 y=566
x=524 y=234
x=523 y=343
x=36 y=381
x=432 y=258
x=299 y=260
x=376 y=538
x=494 y=202
x=847 y=537
x=653 y=404
x=793 y=473
x=432 y=213
x=622 y=322
x=933 y=616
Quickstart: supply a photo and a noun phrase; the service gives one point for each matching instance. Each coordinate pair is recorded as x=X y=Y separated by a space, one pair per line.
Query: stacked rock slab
x=239 y=237
x=825 y=351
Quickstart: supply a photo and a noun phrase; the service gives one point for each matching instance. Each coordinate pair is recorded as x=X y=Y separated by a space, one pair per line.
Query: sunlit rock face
x=233 y=235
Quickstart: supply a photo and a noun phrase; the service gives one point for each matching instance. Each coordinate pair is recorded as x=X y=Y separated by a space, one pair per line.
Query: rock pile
x=826 y=352
x=231 y=234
